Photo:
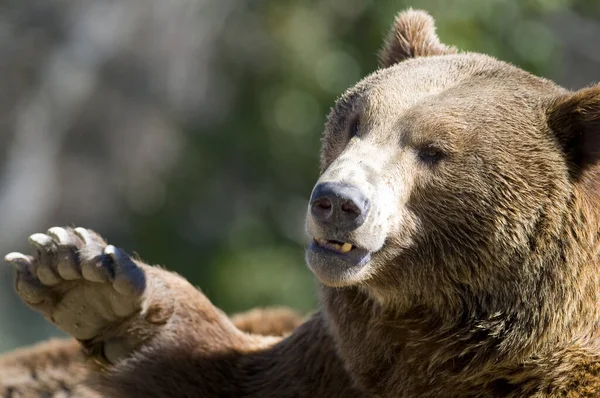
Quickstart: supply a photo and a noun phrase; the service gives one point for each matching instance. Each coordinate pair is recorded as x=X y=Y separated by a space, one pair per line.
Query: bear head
x=456 y=180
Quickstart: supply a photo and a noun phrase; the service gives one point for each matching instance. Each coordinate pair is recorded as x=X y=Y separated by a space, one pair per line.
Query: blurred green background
x=188 y=131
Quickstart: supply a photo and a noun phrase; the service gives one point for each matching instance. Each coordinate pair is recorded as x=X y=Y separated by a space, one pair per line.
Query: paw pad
x=78 y=281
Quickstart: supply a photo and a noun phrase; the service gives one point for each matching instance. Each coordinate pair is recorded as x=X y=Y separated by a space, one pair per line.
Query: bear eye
x=431 y=154
x=354 y=128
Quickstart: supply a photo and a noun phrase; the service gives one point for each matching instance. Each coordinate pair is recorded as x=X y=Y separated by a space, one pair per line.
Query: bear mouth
x=337 y=263
x=334 y=245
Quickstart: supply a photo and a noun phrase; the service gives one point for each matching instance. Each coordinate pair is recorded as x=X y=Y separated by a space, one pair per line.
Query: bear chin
x=336 y=269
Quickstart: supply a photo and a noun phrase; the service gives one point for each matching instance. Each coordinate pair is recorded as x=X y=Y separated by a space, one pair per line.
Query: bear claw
x=78 y=281
x=60 y=235
x=19 y=260
x=85 y=235
x=41 y=241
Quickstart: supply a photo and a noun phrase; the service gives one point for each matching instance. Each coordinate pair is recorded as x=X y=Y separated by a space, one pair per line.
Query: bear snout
x=338 y=205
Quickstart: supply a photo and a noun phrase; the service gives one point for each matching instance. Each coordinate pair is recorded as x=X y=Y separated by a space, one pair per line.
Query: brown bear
x=456 y=239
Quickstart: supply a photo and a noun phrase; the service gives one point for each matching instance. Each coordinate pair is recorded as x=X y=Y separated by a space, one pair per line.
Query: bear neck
x=423 y=350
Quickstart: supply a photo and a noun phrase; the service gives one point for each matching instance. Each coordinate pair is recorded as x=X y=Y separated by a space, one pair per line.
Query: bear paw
x=84 y=286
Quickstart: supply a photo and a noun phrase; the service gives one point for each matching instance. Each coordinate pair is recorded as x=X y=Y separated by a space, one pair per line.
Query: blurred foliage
x=194 y=139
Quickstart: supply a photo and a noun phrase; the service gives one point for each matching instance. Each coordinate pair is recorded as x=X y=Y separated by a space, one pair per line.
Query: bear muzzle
x=336 y=210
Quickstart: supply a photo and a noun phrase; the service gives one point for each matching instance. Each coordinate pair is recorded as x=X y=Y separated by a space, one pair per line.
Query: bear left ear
x=412 y=35
x=575 y=120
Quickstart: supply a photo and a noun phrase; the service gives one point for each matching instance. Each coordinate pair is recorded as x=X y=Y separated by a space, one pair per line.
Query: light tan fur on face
x=365 y=165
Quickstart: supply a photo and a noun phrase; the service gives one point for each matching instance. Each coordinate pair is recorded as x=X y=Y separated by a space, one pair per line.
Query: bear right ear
x=412 y=35
x=574 y=119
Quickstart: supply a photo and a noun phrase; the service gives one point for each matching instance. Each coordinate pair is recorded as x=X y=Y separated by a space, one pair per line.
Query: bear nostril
x=351 y=209
x=322 y=208
x=323 y=203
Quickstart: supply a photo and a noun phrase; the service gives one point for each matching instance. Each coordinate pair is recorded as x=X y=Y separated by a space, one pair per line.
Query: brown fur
x=58 y=367
x=412 y=35
x=275 y=321
x=55 y=367
x=484 y=244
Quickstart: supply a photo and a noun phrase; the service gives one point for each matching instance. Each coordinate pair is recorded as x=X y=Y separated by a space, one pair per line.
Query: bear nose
x=342 y=205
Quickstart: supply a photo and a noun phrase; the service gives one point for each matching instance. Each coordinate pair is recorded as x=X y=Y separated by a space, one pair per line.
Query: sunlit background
x=188 y=130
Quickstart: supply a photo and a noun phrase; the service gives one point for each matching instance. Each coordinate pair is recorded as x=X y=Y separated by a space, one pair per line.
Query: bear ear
x=575 y=120
x=412 y=35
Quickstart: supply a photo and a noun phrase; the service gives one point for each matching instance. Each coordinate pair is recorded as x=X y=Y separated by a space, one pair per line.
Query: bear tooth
x=346 y=247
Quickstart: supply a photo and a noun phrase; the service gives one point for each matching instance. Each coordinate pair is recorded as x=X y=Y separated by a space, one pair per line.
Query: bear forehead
x=473 y=86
